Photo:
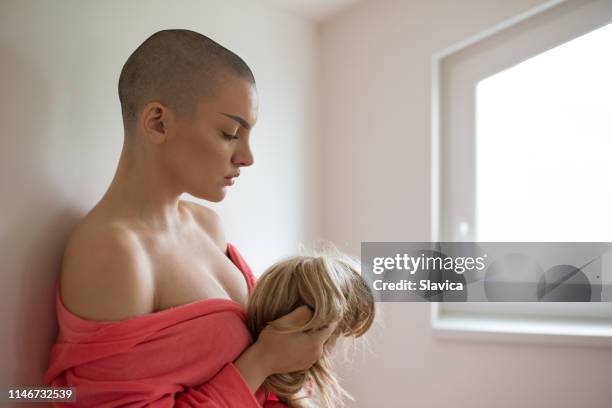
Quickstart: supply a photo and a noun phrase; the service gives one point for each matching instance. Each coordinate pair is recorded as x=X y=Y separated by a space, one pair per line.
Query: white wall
x=61 y=138
x=376 y=143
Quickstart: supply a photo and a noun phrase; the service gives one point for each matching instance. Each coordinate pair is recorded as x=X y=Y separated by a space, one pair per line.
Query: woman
x=151 y=298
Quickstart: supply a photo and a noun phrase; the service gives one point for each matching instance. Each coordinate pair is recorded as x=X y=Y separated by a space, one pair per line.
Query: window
x=522 y=141
x=544 y=146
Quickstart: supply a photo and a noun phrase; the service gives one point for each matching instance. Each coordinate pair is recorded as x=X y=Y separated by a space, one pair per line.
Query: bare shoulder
x=106 y=274
x=210 y=221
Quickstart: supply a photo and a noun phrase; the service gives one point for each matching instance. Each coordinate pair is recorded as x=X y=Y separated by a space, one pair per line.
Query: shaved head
x=177 y=68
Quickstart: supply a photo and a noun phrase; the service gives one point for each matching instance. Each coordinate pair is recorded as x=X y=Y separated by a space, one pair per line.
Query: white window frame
x=455 y=71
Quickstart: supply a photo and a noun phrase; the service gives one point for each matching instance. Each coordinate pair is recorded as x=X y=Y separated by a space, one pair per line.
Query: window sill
x=547 y=330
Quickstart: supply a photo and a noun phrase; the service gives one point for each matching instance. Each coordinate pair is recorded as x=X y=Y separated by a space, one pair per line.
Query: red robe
x=178 y=357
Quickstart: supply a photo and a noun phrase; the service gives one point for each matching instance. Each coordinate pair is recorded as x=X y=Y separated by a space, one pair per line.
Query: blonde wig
x=331 y=285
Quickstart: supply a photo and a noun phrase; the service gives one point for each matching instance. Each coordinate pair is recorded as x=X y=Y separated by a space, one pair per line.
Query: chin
x=212 y=196
x=217 y=199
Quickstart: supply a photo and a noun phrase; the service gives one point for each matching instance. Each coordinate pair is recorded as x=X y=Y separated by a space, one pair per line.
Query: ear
x=154 y=122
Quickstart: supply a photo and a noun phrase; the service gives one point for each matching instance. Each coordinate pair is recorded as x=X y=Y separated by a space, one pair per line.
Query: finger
x=297 y=316
x=323 y=334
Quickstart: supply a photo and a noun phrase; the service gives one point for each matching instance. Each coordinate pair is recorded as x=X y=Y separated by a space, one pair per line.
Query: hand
x=289 y=352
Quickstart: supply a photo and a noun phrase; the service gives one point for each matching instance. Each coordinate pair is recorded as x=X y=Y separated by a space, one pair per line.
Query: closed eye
x=230 y=137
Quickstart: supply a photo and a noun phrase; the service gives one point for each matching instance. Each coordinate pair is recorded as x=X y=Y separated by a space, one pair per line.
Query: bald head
x=177 y=68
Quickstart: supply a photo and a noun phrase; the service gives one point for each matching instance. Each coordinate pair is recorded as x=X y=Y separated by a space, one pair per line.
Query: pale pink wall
x=376 y=60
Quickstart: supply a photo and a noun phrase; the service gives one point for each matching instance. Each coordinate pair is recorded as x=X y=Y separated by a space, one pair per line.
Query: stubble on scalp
x=177 y=68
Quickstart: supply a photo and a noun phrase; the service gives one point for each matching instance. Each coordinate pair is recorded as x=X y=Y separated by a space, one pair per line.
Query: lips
x=229 y=180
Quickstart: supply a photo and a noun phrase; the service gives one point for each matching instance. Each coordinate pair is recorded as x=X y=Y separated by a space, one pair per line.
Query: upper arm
x=211 y=222
x=106 y=276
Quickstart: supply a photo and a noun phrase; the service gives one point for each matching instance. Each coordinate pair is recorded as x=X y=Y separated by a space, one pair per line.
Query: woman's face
x=205 y=152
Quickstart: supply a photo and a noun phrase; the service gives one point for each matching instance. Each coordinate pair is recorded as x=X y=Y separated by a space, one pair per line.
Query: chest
x=187 y=273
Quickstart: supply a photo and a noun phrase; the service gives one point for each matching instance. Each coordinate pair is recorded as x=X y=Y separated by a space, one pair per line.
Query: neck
x=141 y=192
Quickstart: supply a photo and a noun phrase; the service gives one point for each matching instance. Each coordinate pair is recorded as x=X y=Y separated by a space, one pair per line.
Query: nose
x=244 y=156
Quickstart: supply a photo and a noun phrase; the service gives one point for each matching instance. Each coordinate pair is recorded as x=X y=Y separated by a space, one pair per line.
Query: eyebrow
x=238 y=119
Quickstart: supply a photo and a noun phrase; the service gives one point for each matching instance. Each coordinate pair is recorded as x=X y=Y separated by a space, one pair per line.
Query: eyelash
x=230 y=137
